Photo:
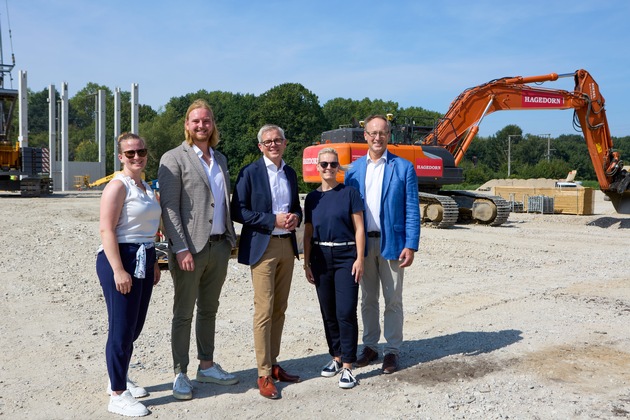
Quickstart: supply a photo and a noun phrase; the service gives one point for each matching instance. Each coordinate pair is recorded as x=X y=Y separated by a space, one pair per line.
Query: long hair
x=214 y=137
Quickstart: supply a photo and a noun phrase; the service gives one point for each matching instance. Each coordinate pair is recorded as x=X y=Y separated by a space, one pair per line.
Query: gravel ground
x=524 y=321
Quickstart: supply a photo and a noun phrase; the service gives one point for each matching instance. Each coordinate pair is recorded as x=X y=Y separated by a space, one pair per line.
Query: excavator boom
x=459 y=126
x=437 y=151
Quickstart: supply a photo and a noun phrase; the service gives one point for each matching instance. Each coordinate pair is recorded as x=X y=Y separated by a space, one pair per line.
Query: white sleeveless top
x=140 y=216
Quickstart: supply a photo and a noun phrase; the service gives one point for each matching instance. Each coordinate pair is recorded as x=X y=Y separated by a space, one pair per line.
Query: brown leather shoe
x=368 y=355
x=267 y=387
x=390 y=363
x=281 y=375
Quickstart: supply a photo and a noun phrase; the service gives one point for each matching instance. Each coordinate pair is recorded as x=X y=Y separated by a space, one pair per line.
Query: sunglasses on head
x=129 y=154
x=333 y=165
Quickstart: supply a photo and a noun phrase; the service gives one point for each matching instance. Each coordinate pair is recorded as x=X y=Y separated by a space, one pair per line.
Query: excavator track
x=439 y=211
x=485 y=209
x=503 y=210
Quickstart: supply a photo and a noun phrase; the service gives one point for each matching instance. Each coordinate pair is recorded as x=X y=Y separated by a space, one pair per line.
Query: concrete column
x=52 y=133
x=117 y=130
x=101 y=114
x=23 y=109
x=135 y=110
x=65 y=184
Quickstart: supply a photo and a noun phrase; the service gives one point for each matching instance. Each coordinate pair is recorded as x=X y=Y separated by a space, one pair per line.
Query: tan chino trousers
x=271 y=279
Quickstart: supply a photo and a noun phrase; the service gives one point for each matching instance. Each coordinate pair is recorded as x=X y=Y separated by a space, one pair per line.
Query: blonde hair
x=331 y=151
x=214 y=137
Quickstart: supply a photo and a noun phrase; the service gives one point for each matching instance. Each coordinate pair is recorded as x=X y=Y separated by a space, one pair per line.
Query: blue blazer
x=400 y=211
x=252 y=207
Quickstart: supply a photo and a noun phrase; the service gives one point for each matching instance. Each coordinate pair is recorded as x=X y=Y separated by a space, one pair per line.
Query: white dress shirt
x=280 y=191
x=373 y=191
x=217 y=185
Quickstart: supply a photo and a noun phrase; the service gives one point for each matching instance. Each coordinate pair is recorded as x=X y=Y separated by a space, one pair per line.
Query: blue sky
x=416 y=52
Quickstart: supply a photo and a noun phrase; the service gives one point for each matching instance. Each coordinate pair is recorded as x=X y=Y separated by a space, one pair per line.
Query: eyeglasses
x=373 y=134
x=268 y=143
x=333 y=165
x=130 y=154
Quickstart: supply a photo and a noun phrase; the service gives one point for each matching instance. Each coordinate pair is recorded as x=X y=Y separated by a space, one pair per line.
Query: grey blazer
x=187 y=201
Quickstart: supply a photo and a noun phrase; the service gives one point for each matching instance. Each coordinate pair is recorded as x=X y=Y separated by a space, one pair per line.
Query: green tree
x=295 y=109
x=86 y=151
x=341 y=112
x=476 y=174
x=38 y=118
x=163 y=132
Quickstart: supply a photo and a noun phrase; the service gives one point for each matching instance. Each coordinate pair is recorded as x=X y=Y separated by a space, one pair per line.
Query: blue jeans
x=126 y=313
x=338 y=295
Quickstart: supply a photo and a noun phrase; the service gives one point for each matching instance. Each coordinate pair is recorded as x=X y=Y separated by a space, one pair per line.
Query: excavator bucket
x=621 y=202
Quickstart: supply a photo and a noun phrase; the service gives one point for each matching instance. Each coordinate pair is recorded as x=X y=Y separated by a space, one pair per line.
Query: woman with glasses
x=334 y=244
x=127 y=268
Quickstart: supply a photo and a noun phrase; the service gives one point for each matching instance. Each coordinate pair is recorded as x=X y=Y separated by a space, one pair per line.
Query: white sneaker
x=126 y=405
x=347 y=379
x=216 y=375
x=136 y=391
x=182 y=387
x=331 y=369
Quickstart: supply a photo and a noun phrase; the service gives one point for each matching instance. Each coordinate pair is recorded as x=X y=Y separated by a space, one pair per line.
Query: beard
x=196 y=136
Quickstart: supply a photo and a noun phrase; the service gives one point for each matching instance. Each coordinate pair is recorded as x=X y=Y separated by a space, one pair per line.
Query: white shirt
x=139 y=218
x=217 y=185
x=373 y=191
x=280 y=191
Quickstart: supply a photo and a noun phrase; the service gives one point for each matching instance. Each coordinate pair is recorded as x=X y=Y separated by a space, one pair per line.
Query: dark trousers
x=203 y=288
x=126 y=313
x=338 y=296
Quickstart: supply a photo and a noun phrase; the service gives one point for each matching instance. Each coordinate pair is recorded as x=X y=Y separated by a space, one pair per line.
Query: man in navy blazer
x=266 y=202
x=389 y=187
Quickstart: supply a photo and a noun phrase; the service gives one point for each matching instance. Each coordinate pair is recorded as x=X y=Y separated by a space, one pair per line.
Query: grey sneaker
x=216 y=375
x=126 y=405
x=331 y=369
x=182 y=387
x=135 y=390
x=347 y=379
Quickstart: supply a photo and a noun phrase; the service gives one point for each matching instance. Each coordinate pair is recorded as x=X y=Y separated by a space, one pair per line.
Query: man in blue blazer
x=266 y=202
x=389 y=187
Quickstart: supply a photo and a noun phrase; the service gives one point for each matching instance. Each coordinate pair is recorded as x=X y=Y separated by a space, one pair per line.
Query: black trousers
x=126 y=313
x=338 y=295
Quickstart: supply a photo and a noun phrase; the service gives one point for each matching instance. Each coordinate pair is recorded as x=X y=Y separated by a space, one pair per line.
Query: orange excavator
x=436 y=151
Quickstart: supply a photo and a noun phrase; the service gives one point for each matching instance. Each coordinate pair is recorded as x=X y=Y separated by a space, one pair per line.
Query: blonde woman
x=127 y=268
x=334 y=245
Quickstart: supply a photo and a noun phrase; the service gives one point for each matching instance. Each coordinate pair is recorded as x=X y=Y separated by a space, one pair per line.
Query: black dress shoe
x=368 y=355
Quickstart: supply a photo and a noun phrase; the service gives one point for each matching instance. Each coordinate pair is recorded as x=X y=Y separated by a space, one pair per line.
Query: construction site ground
x=528 y=320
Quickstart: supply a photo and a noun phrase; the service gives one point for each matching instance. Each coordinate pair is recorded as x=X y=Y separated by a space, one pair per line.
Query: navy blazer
x=252 y=207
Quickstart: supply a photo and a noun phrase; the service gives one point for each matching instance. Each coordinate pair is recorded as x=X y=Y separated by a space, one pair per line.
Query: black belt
x=374 y=234
x=216 y=238
x=283 y=236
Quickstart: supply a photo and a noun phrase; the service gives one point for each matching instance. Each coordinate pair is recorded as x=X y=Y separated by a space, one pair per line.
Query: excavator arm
x=459 y=126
